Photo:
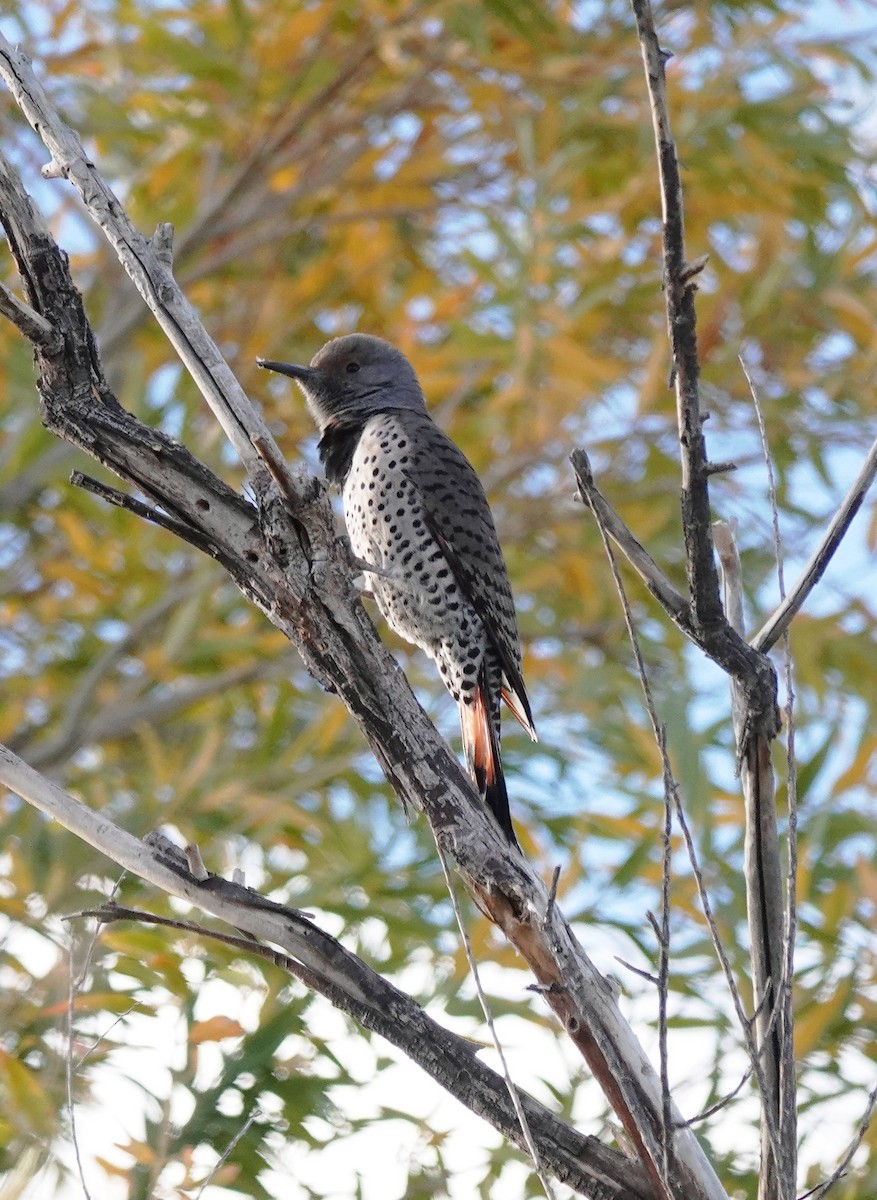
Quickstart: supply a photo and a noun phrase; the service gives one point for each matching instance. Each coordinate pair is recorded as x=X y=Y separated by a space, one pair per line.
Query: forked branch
x=753 y=673
x=753 y=679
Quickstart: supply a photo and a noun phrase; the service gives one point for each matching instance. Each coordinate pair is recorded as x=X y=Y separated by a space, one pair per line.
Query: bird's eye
x=352 y=368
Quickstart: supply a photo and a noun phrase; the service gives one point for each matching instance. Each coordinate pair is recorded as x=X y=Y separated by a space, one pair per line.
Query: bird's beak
x=293 y=370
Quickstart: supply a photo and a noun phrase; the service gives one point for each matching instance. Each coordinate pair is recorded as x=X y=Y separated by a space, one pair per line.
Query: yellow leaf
x=214 y=1029
x=28 y=1104
x=140 y=1152
x=813 y=1025
x=112 y=1168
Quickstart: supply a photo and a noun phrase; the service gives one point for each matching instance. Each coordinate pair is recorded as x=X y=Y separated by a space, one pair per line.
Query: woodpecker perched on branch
x=416 y=511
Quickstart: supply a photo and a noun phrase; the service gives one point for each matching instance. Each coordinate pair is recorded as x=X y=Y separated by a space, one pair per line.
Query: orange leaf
x=214 y=1029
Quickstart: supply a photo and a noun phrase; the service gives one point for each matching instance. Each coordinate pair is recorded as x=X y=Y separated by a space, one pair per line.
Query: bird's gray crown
x=353 y=376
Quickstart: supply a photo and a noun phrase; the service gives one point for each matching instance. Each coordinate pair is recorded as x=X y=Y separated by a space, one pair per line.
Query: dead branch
x=774 y=628
x=673 y=603
x=765 y=908
x=325 y=966
x=754 y=673
x=753 y=678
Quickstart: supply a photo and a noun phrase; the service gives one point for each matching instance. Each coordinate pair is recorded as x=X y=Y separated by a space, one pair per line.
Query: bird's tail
x=481 y=747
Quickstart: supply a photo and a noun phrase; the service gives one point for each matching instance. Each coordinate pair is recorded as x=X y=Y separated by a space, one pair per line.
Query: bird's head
x=353 y=376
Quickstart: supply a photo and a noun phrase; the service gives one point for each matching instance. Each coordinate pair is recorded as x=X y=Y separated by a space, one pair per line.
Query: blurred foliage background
x=476 y=182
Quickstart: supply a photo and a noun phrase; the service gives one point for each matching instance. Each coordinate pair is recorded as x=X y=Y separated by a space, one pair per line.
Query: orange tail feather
x=481 y=747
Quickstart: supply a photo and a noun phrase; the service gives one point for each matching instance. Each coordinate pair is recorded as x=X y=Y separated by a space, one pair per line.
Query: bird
x=417 y=514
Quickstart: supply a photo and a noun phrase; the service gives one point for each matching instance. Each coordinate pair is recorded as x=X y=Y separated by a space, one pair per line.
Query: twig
x=75 y=981
x=102 y=1037
x=682 y=330
x=147 y=512
x=754 y=673
x=552 y=893
x=195 y=863
x=646 y=975
x=34 y=327
x=145 y=262
x=69 y=1069
x=757 y=677
x=773 y=629
x=488 y=1017
x=672 y=601
x=787 y=1082
x=752 y=1048
x=725 y=1100
x=791 y=761
x=227 y=1152
x=764 y=907
x=664 y=961
x=822 y=1189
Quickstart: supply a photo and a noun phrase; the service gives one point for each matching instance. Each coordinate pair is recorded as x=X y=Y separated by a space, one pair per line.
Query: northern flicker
x=416 y=510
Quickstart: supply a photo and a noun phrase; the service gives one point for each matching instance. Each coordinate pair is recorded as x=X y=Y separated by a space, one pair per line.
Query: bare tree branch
x=753 y=679
x=825 y=1187
x=765 y=910
x=774 y=628
x=786 y=933
x=754 y=673
x=324 y=965
x=514 y=1093
x=671 y=792
x=34 y=327
x=145 y=261
x=673 y=603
